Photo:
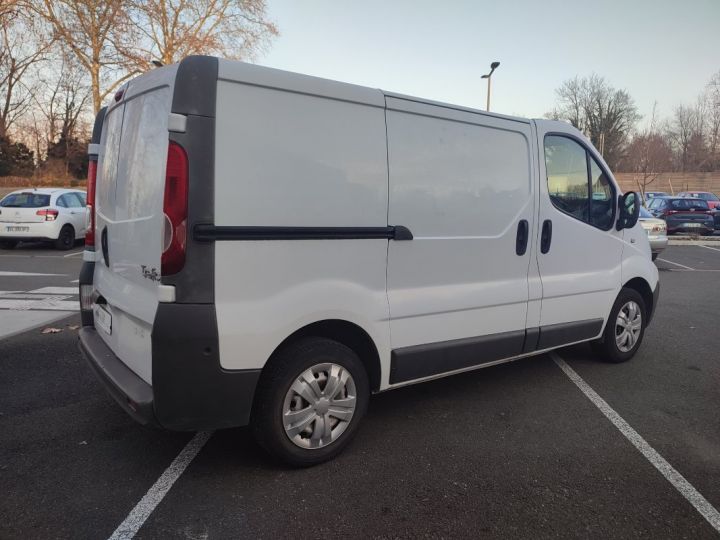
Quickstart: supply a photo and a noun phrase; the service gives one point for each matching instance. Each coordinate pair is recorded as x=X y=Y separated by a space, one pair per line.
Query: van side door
x=580 y=250
x=462 y=183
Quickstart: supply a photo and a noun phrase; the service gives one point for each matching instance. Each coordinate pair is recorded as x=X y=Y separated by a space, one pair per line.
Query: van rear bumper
x=130 y=391
x=190 y=390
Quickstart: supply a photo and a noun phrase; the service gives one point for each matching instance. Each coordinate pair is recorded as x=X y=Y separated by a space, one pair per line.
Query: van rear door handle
x=522 y=237
x=546 y=236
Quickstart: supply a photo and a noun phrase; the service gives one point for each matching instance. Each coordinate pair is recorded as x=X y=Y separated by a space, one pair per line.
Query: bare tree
x=95 y=33
x=686 y=132
x=606 y=115
x=712 y=99
x=172 y=29
x=21 y=48
x=648 y=155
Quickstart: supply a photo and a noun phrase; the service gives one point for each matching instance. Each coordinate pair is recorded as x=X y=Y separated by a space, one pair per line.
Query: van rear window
x=25 y=200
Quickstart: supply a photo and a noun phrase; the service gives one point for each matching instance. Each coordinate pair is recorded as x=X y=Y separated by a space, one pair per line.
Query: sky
x=662 y=51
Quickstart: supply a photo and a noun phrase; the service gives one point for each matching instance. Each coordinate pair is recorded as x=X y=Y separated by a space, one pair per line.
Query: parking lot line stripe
x=676 y=264
x=138 y=515
x=72 y=254
x=3 y=273
x=686 y=489
x=707 y=247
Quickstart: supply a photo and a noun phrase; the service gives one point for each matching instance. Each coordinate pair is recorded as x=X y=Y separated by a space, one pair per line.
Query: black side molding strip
x=419 y=361
x=209 y=233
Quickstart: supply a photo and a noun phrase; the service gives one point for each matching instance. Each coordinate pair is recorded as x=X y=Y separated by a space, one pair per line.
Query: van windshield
x=25 y=200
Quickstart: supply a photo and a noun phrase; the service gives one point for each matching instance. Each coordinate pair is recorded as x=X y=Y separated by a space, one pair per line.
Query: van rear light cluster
x=91 y=181
x=50 y=214
x=175 y=203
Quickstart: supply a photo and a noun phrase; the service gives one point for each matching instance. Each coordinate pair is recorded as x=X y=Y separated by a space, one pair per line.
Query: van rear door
x=129 y=219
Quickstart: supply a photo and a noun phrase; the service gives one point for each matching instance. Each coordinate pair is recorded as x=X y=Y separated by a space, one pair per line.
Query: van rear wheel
x=310 y=401
x=625 y=328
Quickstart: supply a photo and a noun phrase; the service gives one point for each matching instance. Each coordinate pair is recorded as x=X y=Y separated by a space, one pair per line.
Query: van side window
x=602 y=202
x=577 y=184
x=567 y=176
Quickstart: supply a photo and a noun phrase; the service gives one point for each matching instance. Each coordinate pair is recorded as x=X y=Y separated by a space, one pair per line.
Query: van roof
x=237 y=71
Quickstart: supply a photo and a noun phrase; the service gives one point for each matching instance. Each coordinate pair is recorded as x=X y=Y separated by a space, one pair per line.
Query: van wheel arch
x=349 y=334
x=643 y=288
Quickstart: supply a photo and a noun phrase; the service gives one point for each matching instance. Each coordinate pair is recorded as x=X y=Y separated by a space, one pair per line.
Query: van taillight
x=91 y=180
x=175 y=204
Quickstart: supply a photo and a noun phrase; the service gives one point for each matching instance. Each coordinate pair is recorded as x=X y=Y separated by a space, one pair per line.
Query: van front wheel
x=310 y=401
x=625 y=328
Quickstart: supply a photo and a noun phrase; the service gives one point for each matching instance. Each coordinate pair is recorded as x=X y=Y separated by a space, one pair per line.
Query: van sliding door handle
x=521 y=239
x=546 y=236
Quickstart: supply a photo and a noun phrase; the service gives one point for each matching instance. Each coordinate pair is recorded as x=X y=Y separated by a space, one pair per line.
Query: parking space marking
x=676 y=264
x=55 y=290
x=138 y=515
x=19 y=274
x=707 y=247
x=686 y=489
x=73 y=254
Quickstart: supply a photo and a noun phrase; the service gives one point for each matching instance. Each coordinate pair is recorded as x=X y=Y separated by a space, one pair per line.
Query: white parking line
x=3 y=273
x=73 y=254
x=707 y=247
x=55 y=290
x=138 y=515
x=676 y=264
x=686 y=489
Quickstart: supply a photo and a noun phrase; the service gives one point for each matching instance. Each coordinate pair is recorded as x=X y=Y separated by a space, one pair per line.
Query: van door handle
x=546 y=236
x=522 y=237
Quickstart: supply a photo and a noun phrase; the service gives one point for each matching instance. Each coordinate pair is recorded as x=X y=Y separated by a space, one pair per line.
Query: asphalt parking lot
x=516 y=450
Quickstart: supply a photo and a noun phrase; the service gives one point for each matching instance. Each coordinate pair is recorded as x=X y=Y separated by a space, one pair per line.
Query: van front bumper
x=131 y=392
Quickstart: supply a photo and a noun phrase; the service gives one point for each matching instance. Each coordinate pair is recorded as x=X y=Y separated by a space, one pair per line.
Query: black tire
x=277 y=378
x=654 y=256
x=606 y=347
x=8 y=244
x=66 y=238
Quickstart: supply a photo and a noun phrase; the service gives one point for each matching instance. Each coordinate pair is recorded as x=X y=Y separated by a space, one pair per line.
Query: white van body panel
x=461 y=182
x=297 y=151
x=129 y=202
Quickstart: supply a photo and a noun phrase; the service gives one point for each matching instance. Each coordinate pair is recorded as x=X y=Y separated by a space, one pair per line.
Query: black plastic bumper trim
x=208 y=233
x=656 y=299
x=130 y=391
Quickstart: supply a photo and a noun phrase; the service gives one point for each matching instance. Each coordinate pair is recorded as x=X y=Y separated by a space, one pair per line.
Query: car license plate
x=103 y=319
x=693 y=225
x=17 y=229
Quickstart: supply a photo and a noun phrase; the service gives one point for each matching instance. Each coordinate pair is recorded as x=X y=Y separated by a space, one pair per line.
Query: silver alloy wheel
x=319 y=406
x=628 y=326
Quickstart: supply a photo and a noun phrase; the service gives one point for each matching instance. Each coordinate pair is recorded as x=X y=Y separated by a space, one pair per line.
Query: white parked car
x=45 y=214
x=271 y=248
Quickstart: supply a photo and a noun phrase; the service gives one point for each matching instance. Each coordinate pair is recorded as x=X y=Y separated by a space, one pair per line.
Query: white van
x=272 y=248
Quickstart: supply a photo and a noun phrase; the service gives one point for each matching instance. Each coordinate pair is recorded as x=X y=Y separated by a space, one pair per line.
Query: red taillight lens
x=175 y=209
x=671 y=212
x=50 y=214
x=91 y=180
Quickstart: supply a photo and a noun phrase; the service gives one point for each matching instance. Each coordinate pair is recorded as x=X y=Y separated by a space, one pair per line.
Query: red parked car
x=712 y=199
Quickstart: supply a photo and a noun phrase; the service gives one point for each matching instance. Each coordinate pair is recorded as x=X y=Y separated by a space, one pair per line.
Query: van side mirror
x=629 y=206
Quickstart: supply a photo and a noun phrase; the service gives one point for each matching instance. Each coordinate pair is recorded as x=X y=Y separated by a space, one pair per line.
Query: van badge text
x=151 y=274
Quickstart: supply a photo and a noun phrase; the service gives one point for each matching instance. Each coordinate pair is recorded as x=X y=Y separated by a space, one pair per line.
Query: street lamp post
x=488 y=76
